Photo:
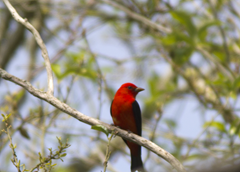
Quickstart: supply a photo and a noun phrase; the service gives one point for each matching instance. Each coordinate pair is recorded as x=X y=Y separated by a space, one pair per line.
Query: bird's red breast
x=122 y=113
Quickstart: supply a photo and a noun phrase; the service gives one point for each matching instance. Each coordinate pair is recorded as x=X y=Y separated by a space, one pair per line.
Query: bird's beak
x=138 y=89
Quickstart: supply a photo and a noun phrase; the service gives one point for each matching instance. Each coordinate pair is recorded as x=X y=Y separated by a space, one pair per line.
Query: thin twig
x=138 y=17
x=195 y=141
x=153 y=134
x=100 y=76
x=57 y=155
x=15 y=160
x=38 y=39
x=226 y=71
x=228 y=117
x=222 y=32
x=108 y=153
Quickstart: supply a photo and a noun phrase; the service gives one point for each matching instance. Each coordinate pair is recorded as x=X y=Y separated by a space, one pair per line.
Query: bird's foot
x=129 y=131
x=114 y=125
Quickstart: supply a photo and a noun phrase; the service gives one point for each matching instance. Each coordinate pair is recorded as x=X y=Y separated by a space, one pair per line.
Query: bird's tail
x=136 y=164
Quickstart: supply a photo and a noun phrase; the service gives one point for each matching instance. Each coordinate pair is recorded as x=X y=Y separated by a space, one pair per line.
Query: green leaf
x=169 y=39
x=57 y=70
x=9 y=115
x=100 y=128
x=202 y=31
x=218 y=125
x=63 y=155
x=196 y=156
x=180 y=37
x=236 y=84
x=40 y=156
x=24 y=133
x=171 y=123
x=186 y=20
x=152 y=5
x=232 y=130
x=181 y=55
x=81 y=64
x=59 y=141
x=18 y=95
x=235 y=127
x=4 y=118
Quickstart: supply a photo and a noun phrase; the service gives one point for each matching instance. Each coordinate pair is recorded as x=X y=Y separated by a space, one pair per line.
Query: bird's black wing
x=137 y=117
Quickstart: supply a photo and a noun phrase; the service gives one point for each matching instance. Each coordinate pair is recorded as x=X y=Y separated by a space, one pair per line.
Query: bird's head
x=129 y=89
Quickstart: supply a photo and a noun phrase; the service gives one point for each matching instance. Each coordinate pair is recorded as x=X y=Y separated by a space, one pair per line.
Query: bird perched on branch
x=126 y=114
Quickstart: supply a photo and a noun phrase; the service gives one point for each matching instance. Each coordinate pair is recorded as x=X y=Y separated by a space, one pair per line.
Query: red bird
x=126 y=114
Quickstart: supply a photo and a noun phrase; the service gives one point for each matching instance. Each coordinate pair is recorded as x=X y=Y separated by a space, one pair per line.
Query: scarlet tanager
x=126 y=114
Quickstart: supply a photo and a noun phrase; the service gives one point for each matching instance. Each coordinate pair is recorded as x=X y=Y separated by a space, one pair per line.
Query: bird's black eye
x=129 y=87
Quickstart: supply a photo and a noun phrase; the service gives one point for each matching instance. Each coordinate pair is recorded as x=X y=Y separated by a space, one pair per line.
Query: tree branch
x=138 y=17
x=226 y=71
x=222 y=32
x=39 y=41
x=92 y=121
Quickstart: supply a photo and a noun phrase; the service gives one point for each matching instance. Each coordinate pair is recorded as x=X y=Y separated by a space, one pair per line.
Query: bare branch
x=38 y=39
x=138 y=17
x=222 y=68
x=92 y=121
x=222 y=32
